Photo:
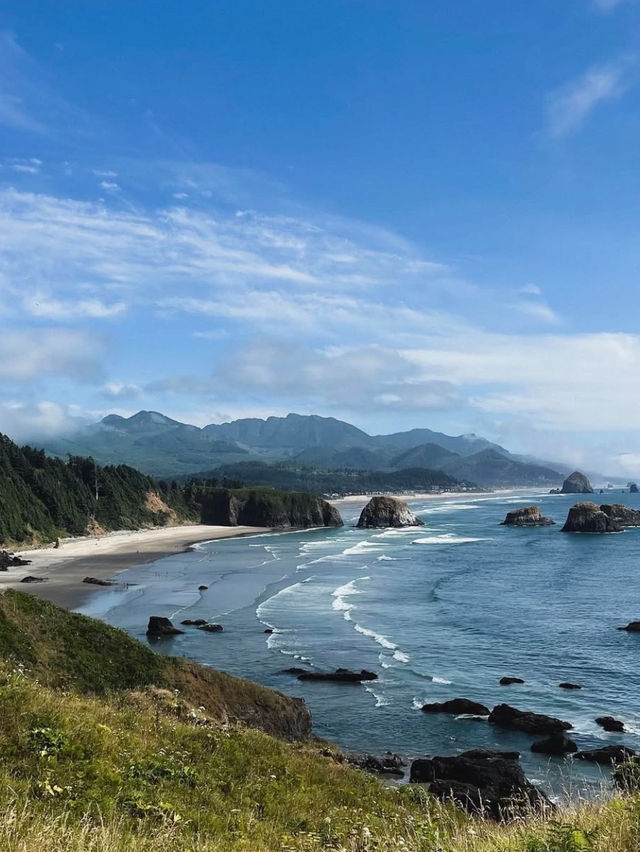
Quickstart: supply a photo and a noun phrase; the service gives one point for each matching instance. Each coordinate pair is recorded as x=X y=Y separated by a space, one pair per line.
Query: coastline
x=103 y=557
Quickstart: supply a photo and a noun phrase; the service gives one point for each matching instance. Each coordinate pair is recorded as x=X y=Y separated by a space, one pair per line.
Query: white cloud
x=33 y=354
x=570 y=107
x=23 y=421
x=39 y=305
x=109 y=186
x=538 y=310
x=122 y=390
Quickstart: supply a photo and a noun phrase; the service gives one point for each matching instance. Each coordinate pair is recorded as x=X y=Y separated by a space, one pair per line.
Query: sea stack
x=622 y=515
x=589 y=518
x=529 y=516
x=577 y=483
x=387 y=512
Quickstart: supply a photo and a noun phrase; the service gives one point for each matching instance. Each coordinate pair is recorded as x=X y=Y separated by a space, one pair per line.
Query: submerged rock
x=622 y=515
x=508 y=681
x=522 y=720
x=457 y=706
x=194 y=622
x=481 y=783
x=556 y=745
x=529 y=516
x=387 y=512
x=576 y=483
x=211 y=628
x=589 y=518
x=568 y=685
x=202 y=588
x=339 y=676
x=610 y=724
x=160 y=626
x=607 y=754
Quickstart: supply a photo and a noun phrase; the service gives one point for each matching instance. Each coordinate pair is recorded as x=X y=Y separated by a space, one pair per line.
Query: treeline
x=42 y=498
x=290 y=476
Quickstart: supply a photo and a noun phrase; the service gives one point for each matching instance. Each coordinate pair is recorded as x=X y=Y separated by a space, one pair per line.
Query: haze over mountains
x=161 y=446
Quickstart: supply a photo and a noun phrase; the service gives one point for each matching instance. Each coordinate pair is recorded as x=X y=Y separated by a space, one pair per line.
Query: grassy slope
x=104 y=767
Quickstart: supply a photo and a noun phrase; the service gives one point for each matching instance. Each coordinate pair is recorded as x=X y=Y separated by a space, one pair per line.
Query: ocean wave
x=448 y=538
x=377 y=637
x=440 y=680
x=400 y=656
x=385 y=558
x=417 y=704
x=381 y=699
x=449 y=507
x=346 y=591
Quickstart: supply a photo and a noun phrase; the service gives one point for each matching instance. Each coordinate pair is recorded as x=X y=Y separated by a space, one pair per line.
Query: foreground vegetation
x=108 y=746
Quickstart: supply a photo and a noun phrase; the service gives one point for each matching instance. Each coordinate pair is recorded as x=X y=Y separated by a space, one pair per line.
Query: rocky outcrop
x=622 y=515
x=387 y=512
x=482 y=783
x=610 y=724
x=633 y=488
x=96 y=581
x=458 y=706
x=509 y=681
x=194 y=622
x=521 y=720
x=339 y=676
x=31 y=579
x=632 y=627
x=266 y=507
x=607 y=754
x=555 y=745
x=567 y=685
x=159 y=626
x=388 y=764
x=529 y=516
x=576 y=483
x=8 y=560
x=589 y=518
x=211 y=628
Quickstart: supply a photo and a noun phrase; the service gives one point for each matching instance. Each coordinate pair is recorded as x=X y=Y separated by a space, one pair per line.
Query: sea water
x=438 y=612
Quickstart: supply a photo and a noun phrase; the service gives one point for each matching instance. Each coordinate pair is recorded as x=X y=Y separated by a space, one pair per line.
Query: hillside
x=163 y=447
x=266 y=507
x=492 y=467
x=109 y=747
x=42 y=498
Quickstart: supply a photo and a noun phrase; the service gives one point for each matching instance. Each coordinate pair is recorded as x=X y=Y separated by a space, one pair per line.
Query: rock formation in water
x=339 y=676
x=622 y=515
x=555 y=745
x=484 y=782
x=633 y=488
x=568 y=685
x=529 y=516
x=631 y=627
x=589 y=518
x=606 y=754
x=160 y=626
x=458 y=706
x=8 y=560
x=509 y=681
x=610 y=724
x=521 y=720
x=576 y=483
x=388 y=512
x=267 y=507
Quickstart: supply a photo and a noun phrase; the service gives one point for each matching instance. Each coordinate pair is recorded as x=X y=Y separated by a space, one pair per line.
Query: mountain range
x=163 y=447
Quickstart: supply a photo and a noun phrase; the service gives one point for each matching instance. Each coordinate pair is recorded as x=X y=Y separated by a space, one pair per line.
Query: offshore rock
x=607 y=754
x=486 y=784
x=340 y=676
x=589 y=518
x=508 y=681
x=576 y=483
x=556 y=745
x=529 y=516
x=160 y=626
x=387 y=512
x=632 y=627
x=521 y=720
x=211 y=628
x=610 y=724
x=633 y=488
x=568 y=685
x=457 y=706
x=622 y=515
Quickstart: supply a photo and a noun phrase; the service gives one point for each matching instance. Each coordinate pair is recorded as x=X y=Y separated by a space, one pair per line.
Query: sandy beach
x=103 y=557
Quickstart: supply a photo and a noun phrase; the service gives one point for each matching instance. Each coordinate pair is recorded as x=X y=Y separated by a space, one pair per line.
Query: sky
x=396 y=212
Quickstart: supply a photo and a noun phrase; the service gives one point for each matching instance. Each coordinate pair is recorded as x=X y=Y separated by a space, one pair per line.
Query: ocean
x=438 y=612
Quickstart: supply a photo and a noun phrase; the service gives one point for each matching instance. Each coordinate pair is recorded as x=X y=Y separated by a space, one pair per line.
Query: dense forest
x=292 y=476
x=42 y=498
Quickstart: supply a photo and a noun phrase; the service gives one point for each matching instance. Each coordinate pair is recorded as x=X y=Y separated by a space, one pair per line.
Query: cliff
x=589 y=518
x=576 y=483
x=266 y=507
x=388 y=512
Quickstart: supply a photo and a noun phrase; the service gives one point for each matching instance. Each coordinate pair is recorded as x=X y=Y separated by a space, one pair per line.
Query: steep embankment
x=266 y=507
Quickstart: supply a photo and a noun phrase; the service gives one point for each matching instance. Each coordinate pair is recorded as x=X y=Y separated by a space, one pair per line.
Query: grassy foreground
x=129 y=767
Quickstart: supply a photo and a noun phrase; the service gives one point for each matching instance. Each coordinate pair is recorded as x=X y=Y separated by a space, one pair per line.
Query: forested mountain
x=164 y=447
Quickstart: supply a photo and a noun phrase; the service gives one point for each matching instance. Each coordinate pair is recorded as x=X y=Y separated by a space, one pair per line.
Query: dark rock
x=485 y=753
x=269 y=630
x=610 y=724
x=387 y=512
x=194 y=622
x=160 y=626
x=255 y=508
x=632 y=627
x=622 y=515
x=557 y=744
x=388 y=764
x=202 y=588
x=493 y=786
x=576 y=483
x=457 y=706
x=589 y=518
x=521 y=720
x=211 y=628
x=507 y=681
x=96 y=581
x=607 y=754
x=633 y=488
x=528 y=517
x=339 y=676
x=294 y=670
x=30 y=579
x=567 y=685
x=8 y=560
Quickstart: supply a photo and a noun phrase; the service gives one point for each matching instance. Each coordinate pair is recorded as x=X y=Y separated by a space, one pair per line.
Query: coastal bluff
x=387 y=512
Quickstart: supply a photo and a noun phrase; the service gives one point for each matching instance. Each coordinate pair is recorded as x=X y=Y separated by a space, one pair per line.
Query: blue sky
x=401 y=213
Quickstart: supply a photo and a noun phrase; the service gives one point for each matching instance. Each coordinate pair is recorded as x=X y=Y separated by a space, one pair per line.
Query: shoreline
x=104 y=557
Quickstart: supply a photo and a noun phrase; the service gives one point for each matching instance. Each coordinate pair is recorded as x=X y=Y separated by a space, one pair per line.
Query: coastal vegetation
x=109 y=746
